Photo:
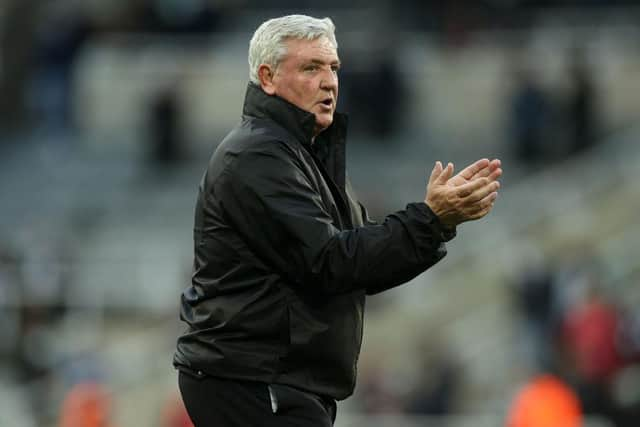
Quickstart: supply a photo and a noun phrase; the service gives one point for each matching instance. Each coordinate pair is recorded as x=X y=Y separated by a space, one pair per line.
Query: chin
x=324 y=122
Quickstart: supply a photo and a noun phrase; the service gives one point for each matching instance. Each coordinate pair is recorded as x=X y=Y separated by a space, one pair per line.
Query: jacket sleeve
x=275 y=208
x=366 y=219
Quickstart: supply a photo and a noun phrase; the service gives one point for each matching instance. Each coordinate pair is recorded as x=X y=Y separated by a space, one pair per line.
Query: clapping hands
x=467 y=196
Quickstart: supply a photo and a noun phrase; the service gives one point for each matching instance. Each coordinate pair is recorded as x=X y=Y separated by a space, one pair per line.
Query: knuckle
x=464 y=192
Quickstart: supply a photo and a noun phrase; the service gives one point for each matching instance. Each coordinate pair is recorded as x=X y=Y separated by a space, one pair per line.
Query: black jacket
x=284 y=255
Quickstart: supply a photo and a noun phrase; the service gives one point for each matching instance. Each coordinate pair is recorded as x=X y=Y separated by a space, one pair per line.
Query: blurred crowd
x=577 y=342
x=41 y=42
x=41 y=348
x=576 y=334
x=44 y=40
x=577 y=326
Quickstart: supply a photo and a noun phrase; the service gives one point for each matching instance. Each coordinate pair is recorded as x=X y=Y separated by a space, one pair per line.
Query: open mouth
x=328 y=102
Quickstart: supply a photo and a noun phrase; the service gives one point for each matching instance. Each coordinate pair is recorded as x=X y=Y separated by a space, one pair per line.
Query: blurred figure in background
x=178 y=16
x=545 y=401
x=59 y=42
x=439 y=380
x=86 y=405
x=534 y=296
x=625 y=387
x=590 y=337
x=17 y=35
x=376 y=393
x=44 y=280
x=165 y=117
x=376 y=81
x=11 y=284
x=582 y=119
x=530 y=118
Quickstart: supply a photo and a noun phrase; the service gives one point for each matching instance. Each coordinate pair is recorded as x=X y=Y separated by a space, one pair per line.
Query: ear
x=265 y=75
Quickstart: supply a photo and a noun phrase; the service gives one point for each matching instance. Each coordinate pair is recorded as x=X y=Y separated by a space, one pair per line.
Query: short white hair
x=268 y=45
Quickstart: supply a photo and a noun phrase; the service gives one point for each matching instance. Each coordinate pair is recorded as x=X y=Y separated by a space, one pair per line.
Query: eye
x=311 y=67
x=335 y=68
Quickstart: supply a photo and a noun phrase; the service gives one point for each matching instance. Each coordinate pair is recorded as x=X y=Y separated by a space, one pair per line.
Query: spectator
x=582 y=118
x=166 y=136
x=438 y=384
x=530 y=118
x=59 y=43
x=86 y=405
x=376 y=394
x=589 y=342
x=534 y=297
x=545 y=401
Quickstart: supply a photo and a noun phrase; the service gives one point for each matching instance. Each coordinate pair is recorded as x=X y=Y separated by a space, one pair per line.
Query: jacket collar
x=299 y=122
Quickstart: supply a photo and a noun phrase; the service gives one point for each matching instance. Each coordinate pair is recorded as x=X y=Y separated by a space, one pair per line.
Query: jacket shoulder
x=252 y=131
x=250 y=139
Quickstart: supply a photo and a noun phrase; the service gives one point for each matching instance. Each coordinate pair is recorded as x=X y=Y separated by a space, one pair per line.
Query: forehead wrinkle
x=311 y=50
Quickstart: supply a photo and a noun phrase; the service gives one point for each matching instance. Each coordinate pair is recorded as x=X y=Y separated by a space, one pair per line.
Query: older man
x=285 y=254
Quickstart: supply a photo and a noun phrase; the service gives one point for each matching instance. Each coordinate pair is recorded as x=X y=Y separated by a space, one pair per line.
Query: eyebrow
x=321 y=62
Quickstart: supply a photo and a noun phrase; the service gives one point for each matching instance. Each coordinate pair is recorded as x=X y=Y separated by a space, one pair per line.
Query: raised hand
x=467 y=196
x=478 y=169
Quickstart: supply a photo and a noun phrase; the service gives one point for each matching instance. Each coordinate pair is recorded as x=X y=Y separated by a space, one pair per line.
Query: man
x=284 y=254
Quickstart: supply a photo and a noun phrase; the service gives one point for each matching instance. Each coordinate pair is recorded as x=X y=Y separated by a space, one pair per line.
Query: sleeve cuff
x=446 y=233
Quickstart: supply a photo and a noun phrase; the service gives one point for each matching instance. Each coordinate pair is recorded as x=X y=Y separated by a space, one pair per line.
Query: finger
x=485 y=206
x=488 y=171
x=467 y=189
x=493 y=165
x=475 y=168
x=495 y=174
x=446 y=174
x=488 y=201
x=492 y=174
x=435 y=172
x=483 y=192
x=494 y=169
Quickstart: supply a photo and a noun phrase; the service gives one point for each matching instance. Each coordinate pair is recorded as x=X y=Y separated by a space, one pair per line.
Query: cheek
x=310 y=91
x=301 y=91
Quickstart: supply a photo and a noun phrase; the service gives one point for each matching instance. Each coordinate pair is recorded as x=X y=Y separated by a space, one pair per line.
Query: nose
x=329 y=81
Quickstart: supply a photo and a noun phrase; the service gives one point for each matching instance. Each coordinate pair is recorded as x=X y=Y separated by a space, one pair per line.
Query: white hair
x=268 y=45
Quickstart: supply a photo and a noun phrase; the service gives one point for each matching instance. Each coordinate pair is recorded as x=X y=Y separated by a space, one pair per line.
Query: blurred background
x=109 y=110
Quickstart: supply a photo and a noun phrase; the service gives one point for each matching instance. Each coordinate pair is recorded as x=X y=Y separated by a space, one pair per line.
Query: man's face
x=308 y=77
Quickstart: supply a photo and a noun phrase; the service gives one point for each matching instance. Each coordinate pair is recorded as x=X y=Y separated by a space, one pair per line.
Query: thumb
x=445 y=174
x=435 y=173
